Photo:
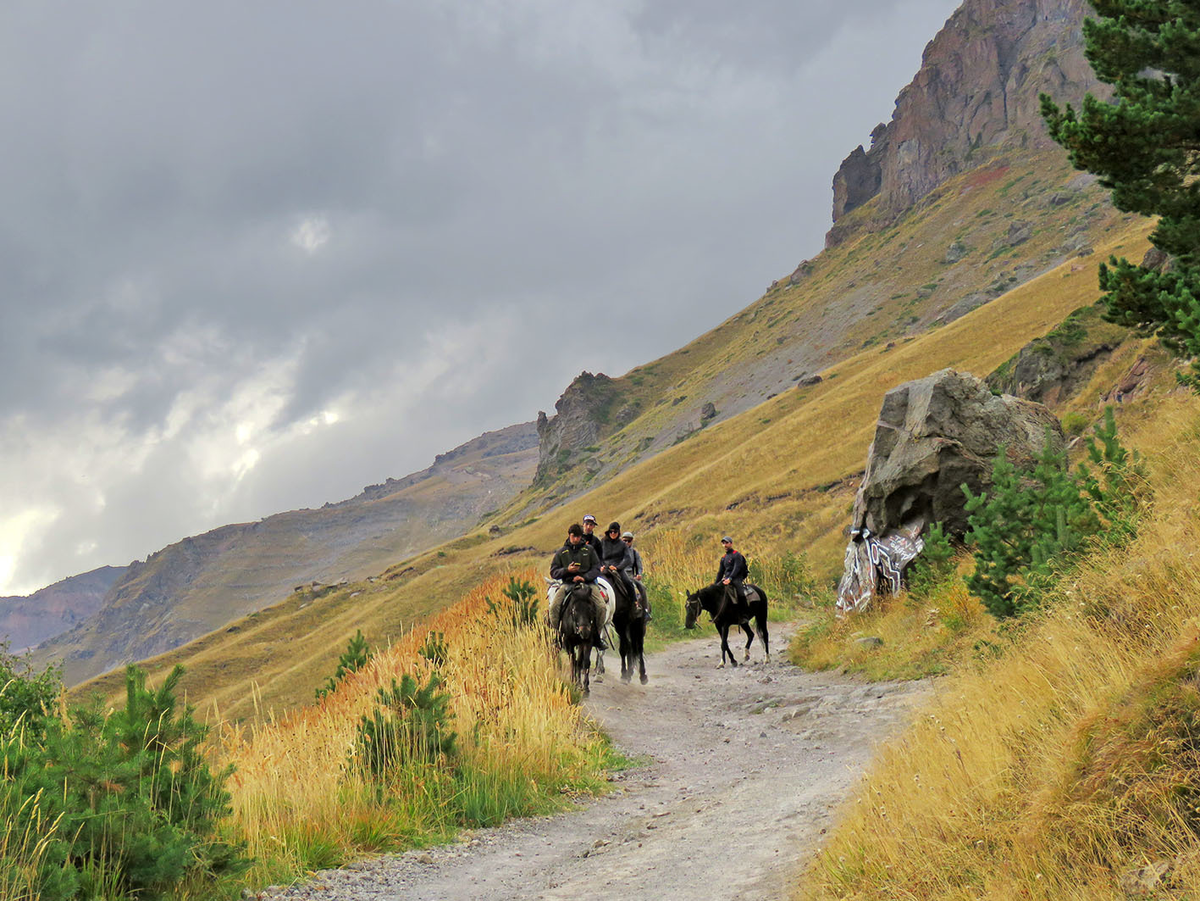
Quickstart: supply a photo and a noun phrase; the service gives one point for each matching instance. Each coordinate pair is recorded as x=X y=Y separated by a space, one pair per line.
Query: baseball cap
x=627 y=535
x=589 y=518
x=726 y=540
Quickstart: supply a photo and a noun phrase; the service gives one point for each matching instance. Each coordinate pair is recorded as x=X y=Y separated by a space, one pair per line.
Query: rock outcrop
x=580 y=415
x=1054 y=367
x=977 y=88
x=933 y=436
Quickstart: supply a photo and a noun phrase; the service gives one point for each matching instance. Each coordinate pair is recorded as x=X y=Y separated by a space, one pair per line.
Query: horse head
x=577 y=618
x=692 y=608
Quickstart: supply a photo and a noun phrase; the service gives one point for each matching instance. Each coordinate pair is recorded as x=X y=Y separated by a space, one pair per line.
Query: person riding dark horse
x=578 y=632
x=715 y=600
x=616 y=559
x=635 y=570
x=590 y=538
x=732 y=572
x=576 y=563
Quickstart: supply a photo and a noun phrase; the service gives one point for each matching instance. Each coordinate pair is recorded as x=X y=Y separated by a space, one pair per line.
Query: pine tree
x=1024 y=528
x=355 y=657
x=1145 y=146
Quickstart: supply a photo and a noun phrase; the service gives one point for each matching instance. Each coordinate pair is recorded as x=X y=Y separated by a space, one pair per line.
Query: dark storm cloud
x=257 y=255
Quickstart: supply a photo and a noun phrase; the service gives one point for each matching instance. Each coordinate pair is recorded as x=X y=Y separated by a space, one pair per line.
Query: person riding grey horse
x=733 y=572
x=575 y=563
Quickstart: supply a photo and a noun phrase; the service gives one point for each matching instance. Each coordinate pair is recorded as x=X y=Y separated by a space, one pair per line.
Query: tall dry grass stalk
x=300 y=801
x=1068 y=761
x=22 y=849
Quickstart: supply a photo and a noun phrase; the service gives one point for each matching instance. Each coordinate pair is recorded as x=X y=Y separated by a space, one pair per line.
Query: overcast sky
x=257 y=255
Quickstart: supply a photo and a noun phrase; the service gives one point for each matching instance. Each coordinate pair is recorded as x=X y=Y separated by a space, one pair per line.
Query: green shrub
x=357 y=653
x=1032 y=524
x=934 y=567
x=125 y=803
x=409 y=725
x=522 y=607
x=26 y=697
x=435 y=649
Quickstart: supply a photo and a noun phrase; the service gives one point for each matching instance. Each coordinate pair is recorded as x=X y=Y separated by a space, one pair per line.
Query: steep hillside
x=203 y=582
x=26 y=621
x=760 y=426
x=781 y=477
x=912 y=246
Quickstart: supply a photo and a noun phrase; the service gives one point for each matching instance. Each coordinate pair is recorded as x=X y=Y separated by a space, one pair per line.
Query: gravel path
x=743 y=770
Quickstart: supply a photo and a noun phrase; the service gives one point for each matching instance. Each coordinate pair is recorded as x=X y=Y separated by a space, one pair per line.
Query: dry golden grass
x=921 y=636
x=300 y=800
x=1069 y=760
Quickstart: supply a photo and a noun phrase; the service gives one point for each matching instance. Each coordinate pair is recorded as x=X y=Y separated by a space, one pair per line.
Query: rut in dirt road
x=742 y=770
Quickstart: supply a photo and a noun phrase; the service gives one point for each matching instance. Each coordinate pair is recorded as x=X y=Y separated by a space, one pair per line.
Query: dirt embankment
x=743 y=769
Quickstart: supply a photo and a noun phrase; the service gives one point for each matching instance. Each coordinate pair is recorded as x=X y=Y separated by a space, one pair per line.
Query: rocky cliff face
x=977 y=88
x=580 y=415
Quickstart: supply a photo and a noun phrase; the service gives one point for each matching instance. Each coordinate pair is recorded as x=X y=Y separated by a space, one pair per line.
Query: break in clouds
x=257 y=255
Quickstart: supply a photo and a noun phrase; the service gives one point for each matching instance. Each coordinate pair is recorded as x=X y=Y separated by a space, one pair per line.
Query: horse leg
x=724 y=630
x=586 y=656
x=749 y=639
x=626 y=653
x=763 y=636
x=641 y=655
x=599 y=664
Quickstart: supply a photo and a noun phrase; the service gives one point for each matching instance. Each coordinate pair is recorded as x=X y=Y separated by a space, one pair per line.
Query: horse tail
x=760 y=620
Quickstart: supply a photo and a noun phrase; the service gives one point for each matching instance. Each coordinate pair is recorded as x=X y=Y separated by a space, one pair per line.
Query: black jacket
x=615 y=552
x=589 y=563
x=732 y=567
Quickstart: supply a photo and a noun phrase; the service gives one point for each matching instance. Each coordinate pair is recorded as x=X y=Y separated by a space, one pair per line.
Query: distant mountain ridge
x=28 y=620
x=200 y=583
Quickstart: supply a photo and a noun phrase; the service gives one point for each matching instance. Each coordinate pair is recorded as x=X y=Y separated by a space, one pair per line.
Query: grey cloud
x=660 y=161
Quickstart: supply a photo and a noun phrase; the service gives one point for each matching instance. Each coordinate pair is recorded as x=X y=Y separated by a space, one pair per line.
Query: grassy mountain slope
x=201 y=583
x=1014 y=217
x=780 y=476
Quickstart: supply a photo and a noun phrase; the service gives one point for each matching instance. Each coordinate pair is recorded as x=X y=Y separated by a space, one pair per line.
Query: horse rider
x=732 y=572
x=635 y=570
x=576 y=563
x=590 y=538
x=616 y=558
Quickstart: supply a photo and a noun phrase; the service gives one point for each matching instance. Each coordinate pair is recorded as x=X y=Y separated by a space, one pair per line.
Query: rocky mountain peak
x=977 y=89
x=580 y=414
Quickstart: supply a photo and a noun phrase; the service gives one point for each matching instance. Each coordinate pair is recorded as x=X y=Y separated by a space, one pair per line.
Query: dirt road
x=743 y=771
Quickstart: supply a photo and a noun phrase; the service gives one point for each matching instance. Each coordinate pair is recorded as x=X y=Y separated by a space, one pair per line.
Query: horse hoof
x=721 y=665
x=625 y=679
x=645 y=679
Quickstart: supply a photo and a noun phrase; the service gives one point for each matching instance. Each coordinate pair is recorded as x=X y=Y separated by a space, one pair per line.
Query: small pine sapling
x=355 y=657
x=411 y=724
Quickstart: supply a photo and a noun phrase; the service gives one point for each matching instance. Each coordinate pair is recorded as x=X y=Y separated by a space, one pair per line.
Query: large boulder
x=933 y=436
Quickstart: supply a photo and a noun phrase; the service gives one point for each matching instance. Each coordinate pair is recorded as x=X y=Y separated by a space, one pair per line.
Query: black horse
x=629 y=619
x=577 y=633
x=719 y=601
